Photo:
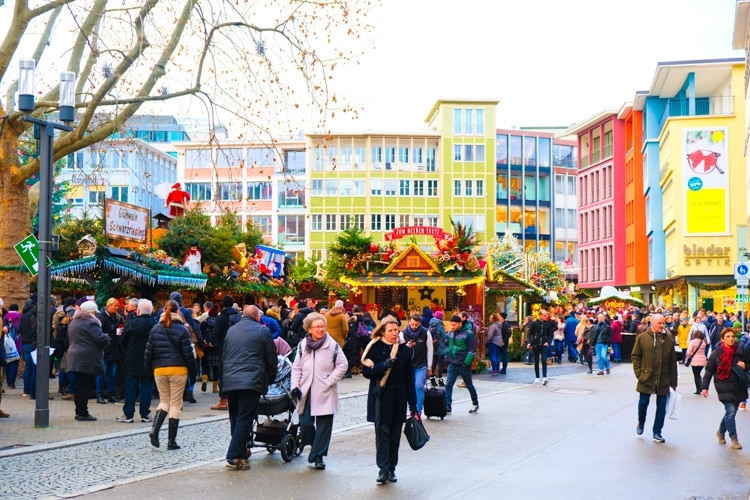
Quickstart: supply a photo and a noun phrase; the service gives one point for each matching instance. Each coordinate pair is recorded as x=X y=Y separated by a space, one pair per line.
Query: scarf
x=313 y=345
x=725 y=362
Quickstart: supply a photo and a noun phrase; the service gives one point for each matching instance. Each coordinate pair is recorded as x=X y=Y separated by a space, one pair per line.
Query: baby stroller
x=273 y=433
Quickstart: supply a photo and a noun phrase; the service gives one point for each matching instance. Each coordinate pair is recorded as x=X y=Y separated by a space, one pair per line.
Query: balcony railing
x=703 y=106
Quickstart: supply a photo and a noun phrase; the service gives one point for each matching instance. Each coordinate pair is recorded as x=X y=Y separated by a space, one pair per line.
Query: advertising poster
x=123 y=221
x=706 y=181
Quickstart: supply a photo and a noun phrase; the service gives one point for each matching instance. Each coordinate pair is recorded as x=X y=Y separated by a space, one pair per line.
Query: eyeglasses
x=318 y=326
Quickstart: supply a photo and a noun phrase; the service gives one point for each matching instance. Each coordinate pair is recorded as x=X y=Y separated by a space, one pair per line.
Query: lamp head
x=67 y=96
x=26 y=85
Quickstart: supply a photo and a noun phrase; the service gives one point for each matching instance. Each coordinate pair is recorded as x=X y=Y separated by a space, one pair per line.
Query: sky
x=548 y=62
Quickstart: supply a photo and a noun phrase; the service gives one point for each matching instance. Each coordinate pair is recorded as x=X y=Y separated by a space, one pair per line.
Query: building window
x=457 y=150
x=345 y=187
x=418 y=188
x=317 y=222
x=457 y=188
x=260 y=157
x=96 y=197
x=199 y=191
x=317 y=187
x=332 y=187
x=391 y=187
x=572 y=219
x=403 y=189
x=318 y=159
x=417 y=156
x=403 y=220
x=479 y=153
x=376 y=187
x=291 y=197
x=259 y=191
x=263 y=223
x=390 y=222
x=468 y=152
x=432 y=220
x=469 y=189
x=432 y=159
x=480 y=188
x=376 y=157
x=291 y=229
x=419 y=220
x=345 y=221
x=232 y=191
x=330 y=222
x=333 y=158
x=432 y=188
x=359 y=156
x=359 y=188
x=375 y=222
x=480 y=122
x=197 y=158
x=359 y=221
x=403 y=155
x=559 y=217
x=120 y=193
x=294 y=161
x=346 y=156
x=457 y=121
x=469 y=114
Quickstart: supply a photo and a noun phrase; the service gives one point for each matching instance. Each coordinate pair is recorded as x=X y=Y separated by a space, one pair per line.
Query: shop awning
x=411 y=279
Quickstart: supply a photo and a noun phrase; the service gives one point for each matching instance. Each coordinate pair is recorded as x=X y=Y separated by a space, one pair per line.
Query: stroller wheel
x=300 y=446
x=288 y=447
x=270 y=449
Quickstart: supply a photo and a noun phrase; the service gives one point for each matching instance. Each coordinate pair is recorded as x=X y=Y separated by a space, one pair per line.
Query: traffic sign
x=742 y=291
x=743 y=282
x=740 y=299
x=741 y=270
x=28 y=250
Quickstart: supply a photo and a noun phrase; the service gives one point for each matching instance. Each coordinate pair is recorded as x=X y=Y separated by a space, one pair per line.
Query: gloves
x=388 y=363
x=296 y=393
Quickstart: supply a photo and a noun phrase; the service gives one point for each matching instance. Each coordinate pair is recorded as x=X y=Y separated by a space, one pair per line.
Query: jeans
x=243 y=409
x=12 y=371
x=387 y=441
x=572 y=352
x=29 y=372
x=661 y=410
x=84 y=383
x=602 y=356
x=438 y=360
x=727 y=421
x=494 y=353
x=110 y=369
x=540 y=354
x=71 y=382
x=453 y=372
x=315 y=431
x=63 y=381
x=420 y=376
x=616 y=351
x=137 y=387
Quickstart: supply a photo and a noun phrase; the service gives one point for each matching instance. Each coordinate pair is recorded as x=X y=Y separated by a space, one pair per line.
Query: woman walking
x=587 y=349
x=388 y=366
x=728 y=387
x=493 y=339
x=169 y=356
x=316 y=372
x=696 y=353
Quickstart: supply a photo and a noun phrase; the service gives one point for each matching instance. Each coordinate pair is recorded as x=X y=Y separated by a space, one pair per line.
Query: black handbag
x=415 y=433
x=688 y=360
x=742 y=375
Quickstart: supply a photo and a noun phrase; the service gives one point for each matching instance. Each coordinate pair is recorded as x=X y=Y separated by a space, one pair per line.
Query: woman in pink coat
x=316 y=371
x=696 y=353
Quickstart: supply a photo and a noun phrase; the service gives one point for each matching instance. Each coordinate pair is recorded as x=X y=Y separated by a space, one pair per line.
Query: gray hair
x=134 y=302
x=145 y=306
x=311 y=318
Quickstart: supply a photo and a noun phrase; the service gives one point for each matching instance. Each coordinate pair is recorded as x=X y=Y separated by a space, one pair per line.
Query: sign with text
x=123 y=221
x=705 y=176
x=400 y=232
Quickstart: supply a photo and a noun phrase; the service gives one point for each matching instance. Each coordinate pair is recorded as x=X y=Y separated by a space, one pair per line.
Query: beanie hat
x=456 y=319
x=227 y=301
x=176 y=297
x=438 y=314
x=90 y=306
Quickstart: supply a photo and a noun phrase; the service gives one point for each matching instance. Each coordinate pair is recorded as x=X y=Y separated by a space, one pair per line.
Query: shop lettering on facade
x=712 y=255
x=400 y=232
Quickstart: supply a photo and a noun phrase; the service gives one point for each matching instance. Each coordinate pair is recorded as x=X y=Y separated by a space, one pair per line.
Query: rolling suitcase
x=434 y=400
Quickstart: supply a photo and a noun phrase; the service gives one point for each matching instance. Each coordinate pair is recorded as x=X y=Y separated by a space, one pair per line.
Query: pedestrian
x=110 y=322
x=85 y=357
x=194 y=331
x=27 y=331
x=211 y=360
x=419 y=340
x=439 y=345
x=683 y=332
x=696 y=353
x=388 y=366
x=228 y=316
x=569 y=334
x=558 y=338
x=507 y=333
x=169 y=357
x=462 y=349
x=539 y=338
x=616 y=338
x=587 y=343
x=729 y=389
x=249 y=365
x=318 y=367
x=603 y=338
x=427 y=316
x=493 y=339
x=655 y=366
x=337 y=323
x=133 y=342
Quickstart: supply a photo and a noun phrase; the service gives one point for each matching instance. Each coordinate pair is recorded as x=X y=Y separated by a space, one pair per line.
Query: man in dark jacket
x=133 y=344
x=571 y=340
x=110 y=320
x=297 y=332
x=226 y=318
x=27 y=327
x=655 y=367
x=603 y=338
x=540 y=336
x=419 y=340
x=507 y=333
x=249 y=365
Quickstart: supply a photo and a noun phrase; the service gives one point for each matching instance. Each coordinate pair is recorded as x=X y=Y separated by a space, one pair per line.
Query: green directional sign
x=28 y=250
x=740 y=299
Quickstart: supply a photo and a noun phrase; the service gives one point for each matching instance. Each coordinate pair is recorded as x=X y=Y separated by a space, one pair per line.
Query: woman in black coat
x=386 y=403
x=728 y=386
x=170 y=359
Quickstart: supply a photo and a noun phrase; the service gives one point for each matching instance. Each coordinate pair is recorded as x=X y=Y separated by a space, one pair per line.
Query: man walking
x=540 y=336
x=133 y=343
x=462 y=349
x=655 y=366
x=571 y=339
x=226 y=318
x=249 y=364
x=603 y=338
x=419 y=340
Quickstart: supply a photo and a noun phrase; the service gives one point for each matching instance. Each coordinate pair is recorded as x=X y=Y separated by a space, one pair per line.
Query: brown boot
x=720 y=436
x=221 y=406
x=204 y=381
x=215 y=387
x=735 y=444
x=3 y=414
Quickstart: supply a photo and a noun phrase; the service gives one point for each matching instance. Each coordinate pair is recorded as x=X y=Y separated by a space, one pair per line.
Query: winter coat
x=297 y=331
x=169 y=346
x=427 y=316
x=422 y=350
x=616 y=332
x=729 y=390
x=337 y=325
x=110 y=323
x=87 y=343
x=133 y=343
x=682 y=335
x=697 y=346
x=226 y=318
x=494 y=335
x=439 y=337
x=462 y=345
x=570 y=329
x=603 y=333
x=249 y=357
x=540 y=332
x=399 y=390
x=272 y=325
x=654 y=363
x=27 y=325
x=317 y=374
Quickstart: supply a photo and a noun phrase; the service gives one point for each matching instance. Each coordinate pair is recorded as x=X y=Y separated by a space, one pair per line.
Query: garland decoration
x=712 y=287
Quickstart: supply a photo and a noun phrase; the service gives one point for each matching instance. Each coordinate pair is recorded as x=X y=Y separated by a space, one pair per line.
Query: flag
x=273 y=259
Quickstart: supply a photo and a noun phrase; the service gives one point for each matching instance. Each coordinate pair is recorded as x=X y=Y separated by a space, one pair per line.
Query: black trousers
x=387 y=440
x=84 y=384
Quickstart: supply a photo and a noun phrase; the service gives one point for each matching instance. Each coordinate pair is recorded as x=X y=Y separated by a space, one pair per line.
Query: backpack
x=362 y=329
x=208 y=333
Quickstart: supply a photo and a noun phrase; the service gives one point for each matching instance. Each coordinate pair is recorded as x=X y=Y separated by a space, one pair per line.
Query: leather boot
x=215 y=387
x=174 y=423
x=187 y=396
x=158 y=420
x=204 y=381
x=221 y=406
x=735 y=444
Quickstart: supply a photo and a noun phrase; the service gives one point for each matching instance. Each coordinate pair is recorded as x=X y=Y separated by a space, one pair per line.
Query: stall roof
x=411 y=279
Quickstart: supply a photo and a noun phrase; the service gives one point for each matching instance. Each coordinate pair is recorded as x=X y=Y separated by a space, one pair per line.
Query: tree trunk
x=15 y=220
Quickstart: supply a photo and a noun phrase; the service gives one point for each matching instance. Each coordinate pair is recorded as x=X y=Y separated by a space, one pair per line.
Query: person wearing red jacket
x=177 y=200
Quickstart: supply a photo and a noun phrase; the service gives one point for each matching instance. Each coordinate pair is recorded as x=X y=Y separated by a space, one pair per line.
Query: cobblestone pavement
x=73 y=458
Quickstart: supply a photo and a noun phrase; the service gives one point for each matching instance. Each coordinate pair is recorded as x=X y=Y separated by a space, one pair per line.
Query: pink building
x=601 y=200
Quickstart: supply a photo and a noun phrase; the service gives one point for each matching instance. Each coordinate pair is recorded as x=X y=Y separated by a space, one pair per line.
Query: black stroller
x=273 y=433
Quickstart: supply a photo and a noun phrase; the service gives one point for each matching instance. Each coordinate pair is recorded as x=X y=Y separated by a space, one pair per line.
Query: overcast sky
x=548 y=62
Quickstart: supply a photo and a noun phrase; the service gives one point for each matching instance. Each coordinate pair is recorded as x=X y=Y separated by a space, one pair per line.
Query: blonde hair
x=380 y=329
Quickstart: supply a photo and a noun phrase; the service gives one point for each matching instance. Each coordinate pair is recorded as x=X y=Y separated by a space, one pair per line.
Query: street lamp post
x=46 y=179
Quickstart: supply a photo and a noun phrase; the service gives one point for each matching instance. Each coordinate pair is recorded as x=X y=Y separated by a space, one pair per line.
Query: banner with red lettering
x=400 y=232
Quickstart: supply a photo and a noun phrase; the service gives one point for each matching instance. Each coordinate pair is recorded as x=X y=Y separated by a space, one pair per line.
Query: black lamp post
x=46 y=159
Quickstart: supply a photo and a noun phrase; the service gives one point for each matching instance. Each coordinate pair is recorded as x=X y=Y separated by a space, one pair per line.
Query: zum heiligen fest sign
x=123 y=221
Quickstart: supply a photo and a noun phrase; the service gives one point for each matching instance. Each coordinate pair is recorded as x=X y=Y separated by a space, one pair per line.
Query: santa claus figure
x=177 y=200
x=192 y=260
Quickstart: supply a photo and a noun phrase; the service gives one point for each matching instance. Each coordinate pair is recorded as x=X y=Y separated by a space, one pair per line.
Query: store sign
x=125 y=222
x=400 y=232
x=705 y=174
x=711 y=255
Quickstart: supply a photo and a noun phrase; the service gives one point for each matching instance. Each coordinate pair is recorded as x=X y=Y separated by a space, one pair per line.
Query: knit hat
x=438 y=314
x=176 y=297
x=176 y=185
x=90 y=306
x=504 y=315
x=227 y=301
x=456 y=319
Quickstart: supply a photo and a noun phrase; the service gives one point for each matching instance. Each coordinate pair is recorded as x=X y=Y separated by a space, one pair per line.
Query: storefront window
x=502 y=187
x=515 y=150
x=501 y=219
x=501 y=149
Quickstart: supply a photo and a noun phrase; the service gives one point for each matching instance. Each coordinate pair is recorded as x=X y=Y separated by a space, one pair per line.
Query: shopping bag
x=10 y=352
x=674 y=401
x=415 y=433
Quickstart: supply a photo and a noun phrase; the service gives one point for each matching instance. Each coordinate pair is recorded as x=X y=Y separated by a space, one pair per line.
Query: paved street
x=574 y=438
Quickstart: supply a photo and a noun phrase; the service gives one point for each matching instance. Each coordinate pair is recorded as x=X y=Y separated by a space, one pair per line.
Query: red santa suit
x=192 y=260
x=177 y=200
